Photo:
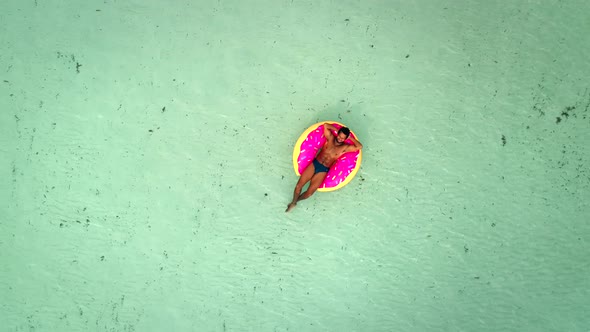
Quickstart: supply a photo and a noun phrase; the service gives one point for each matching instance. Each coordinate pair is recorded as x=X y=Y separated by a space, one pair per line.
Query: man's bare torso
x=330 y=152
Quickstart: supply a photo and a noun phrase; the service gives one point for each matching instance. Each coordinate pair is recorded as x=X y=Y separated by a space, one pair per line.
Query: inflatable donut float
x=310 y=142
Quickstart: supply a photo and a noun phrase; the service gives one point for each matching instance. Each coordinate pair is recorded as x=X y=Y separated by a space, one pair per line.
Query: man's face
x=339 y=140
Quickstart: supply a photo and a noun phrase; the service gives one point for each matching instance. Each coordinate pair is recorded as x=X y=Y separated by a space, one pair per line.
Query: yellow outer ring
x=297 y=151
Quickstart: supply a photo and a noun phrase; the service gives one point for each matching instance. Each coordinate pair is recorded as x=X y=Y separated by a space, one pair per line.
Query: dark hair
x=345 y=131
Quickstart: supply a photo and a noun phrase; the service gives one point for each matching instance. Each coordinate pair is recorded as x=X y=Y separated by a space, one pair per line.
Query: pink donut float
x=307 y=147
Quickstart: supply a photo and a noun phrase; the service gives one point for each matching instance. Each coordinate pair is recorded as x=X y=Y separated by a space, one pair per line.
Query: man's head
x=343 y=134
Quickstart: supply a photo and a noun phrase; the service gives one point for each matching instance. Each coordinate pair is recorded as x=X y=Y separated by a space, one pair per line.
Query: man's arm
x=328 y=128
x=356 y=145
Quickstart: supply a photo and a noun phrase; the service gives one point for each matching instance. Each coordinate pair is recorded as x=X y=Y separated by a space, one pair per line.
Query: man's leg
x=316 y=181
x=303 y=179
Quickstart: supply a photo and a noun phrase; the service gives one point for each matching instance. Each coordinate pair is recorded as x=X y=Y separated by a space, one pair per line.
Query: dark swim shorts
x=319 y=167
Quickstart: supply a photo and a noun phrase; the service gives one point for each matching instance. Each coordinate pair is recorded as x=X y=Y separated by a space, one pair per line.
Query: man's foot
x=290 y=207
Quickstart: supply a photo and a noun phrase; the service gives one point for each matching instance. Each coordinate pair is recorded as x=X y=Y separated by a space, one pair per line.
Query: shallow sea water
x=146 y=165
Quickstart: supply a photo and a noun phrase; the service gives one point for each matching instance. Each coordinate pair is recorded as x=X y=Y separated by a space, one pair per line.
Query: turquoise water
x=146 y=166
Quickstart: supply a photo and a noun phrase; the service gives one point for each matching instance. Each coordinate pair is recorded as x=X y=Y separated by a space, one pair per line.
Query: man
x=329 y=153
